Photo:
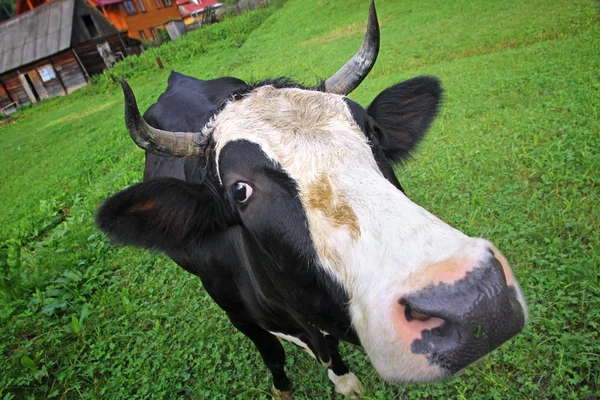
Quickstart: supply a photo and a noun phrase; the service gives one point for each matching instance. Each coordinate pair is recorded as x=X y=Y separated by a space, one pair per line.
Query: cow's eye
x=241 y=192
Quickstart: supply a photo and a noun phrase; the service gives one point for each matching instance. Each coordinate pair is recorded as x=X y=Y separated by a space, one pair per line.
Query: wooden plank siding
x=5 y=98
x=54 y=49
x=68 y=78
x=70 y=72
x=90 y=57
x=15 y=87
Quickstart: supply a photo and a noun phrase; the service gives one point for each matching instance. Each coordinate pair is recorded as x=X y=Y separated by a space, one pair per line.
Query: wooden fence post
x=58 y=76
x=85 y=74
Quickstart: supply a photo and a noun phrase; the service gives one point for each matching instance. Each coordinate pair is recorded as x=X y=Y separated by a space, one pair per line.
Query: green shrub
x=230 y=33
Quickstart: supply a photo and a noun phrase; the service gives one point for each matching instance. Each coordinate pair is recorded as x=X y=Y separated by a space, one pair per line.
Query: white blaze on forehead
x=314 y=137
x=358 y=221
x=366 y=233
x=307 y=132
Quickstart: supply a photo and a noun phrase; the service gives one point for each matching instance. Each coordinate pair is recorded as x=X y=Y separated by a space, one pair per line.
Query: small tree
x=7 y=9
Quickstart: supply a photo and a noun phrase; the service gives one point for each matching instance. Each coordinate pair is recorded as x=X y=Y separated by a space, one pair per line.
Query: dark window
x=141 y=4
x=129 y=7
x=167 y=3
x=89 y=25
x=142 y=35
x=153 y=33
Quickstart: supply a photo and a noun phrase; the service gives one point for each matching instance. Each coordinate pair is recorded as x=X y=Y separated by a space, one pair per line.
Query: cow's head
x=305 y=178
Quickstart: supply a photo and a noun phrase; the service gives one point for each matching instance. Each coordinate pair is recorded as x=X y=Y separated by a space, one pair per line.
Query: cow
x=282 y=198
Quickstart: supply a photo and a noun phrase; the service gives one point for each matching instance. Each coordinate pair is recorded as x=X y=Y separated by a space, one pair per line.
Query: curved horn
x=354 y=71
x=156 y=141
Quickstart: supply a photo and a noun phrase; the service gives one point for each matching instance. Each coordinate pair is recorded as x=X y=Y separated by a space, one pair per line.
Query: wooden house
x=140 y=19
x=193 y=11
x=53 y=48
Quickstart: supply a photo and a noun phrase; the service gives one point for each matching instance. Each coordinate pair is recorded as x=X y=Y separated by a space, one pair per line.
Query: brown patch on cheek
x=343 y=214
x=140 y=207
x=331 y=254
x=174 y=219
x=320 y=196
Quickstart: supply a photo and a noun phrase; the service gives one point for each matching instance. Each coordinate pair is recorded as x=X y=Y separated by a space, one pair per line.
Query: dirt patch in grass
x=72 y=117
x=8 y=121
x=342 y=32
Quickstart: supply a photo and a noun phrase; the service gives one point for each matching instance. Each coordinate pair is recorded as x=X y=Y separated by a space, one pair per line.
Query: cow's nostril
x=412 y=315
x=419 y=319
x=410 y=322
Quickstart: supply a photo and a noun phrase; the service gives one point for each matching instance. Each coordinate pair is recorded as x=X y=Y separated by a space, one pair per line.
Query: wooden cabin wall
x=68 y=77
x=15 y=87
x=5 y=98
x=70 y=72
x=46 y=90
x=90 y=57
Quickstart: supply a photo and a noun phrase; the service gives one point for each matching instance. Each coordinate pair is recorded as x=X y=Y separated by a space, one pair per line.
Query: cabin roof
x=36 y=34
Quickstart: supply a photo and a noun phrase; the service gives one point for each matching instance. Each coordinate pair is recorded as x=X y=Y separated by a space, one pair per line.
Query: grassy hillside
x=513 y=157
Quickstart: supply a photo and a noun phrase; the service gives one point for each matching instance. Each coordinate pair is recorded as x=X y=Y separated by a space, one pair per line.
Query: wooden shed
x=53 y=49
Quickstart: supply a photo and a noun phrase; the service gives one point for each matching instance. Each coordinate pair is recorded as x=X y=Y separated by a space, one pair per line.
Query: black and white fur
x=281 y=264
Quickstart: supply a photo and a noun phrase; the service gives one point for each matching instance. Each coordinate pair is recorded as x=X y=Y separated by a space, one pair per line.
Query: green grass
x=514 y=156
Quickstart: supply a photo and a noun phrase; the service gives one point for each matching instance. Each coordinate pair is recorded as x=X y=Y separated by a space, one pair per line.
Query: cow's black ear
x=163 y=214
x=403 y=113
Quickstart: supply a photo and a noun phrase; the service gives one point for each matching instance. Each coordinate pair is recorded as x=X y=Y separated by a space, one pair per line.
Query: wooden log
x=70 y=72
x=58 y=77
x=85 y=74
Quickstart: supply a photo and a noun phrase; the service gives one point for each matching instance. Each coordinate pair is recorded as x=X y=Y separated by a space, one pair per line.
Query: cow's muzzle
x=470 y=307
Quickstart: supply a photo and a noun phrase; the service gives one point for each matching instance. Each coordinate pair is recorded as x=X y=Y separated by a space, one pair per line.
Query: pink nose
x=469 y=307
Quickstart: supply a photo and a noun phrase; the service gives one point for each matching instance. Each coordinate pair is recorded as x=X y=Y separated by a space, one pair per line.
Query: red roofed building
x=141 y=19
x=192 y=10
x=52 y=48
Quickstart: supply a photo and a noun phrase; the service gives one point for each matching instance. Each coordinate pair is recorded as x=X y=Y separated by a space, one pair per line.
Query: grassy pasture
x=513 y=157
